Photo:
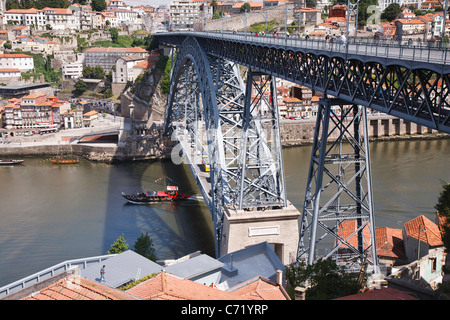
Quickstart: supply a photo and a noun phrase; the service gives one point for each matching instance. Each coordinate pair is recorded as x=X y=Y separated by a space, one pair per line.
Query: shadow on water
x=176 y=228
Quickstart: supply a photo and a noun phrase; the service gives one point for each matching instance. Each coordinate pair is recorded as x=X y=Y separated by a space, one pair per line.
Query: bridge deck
x=191 y=159
x=409 y=54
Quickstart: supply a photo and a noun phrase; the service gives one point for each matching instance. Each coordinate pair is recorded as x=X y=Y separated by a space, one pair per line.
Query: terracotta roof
x=14 y=55
x=58 y=10
x=169 y=287
x=380 y=294
x=390 y=242
x=429 y=231
x=9 y=70
x=116 y=50
x=78 y=288
x=260 y=288
x=144 y=64
x=31 y=10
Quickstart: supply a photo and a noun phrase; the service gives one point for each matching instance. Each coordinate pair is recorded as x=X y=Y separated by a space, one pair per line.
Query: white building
x=20 y=61
x=185 y=14
x=72 y=70
x=124 y=16
x=124 y=70
x=57 y=18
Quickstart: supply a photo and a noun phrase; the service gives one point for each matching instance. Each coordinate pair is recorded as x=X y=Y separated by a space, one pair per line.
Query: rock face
x=149 y=102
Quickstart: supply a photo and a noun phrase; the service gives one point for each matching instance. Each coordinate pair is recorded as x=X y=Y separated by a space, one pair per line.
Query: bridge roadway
x=408 y=82
x=410 y=55
x=191 y=158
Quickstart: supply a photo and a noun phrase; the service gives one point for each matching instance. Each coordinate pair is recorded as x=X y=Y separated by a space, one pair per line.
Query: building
x=55 y=18
x=20 y=61
x=409 y=26
x=184 y=14
x=124 y=16
x=72 y=70
x=107 y=57
x=61 y=19
x=253 y=273
x=124 y=69
x=34 y=111
x=421 y=235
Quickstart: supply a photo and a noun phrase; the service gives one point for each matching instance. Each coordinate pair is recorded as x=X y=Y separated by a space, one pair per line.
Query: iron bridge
x=234 y=124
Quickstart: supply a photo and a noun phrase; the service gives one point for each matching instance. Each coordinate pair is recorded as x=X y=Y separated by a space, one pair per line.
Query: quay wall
x=135 y=147
x=296 y=132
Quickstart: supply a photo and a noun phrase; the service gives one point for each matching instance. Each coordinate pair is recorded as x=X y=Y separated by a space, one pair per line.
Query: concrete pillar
x=279 y=227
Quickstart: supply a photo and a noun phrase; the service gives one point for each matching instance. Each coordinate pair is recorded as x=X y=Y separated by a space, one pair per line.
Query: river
x=52 y=213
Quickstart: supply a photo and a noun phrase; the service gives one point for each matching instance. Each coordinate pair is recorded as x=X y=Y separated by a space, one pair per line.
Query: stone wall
x=237 y=22
x=379 y=127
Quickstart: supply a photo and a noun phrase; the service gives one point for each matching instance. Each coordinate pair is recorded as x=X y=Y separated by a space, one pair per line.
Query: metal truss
x=338 y=208
x=262 y=175
x=241 y=134
x=416 y=92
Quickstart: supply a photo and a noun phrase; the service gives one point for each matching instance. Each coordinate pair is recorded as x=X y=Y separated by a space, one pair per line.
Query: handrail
x=50 y=272
x=404 y=50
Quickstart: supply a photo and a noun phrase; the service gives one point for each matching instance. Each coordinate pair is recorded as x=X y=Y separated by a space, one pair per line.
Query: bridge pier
x=279 y=227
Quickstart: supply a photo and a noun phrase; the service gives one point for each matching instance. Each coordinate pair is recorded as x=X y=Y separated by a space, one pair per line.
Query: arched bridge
x=232 y=126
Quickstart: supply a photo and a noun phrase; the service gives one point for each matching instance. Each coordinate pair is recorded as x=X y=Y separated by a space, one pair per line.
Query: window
x=433 y=262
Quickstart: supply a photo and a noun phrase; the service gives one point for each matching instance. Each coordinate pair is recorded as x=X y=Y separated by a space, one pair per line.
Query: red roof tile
x=78 y=288
x=380 y=294
x=260 y=288
x=169 y=287
x=429 y=231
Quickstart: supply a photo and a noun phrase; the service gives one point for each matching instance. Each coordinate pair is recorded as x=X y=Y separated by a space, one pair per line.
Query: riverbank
x=137 y=148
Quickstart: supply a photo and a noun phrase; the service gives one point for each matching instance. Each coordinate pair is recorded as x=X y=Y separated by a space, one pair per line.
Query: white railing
x=50 y=272
x=436 y=53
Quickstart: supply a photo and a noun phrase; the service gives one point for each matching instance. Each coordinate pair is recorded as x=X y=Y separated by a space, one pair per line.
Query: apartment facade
x=187 y=14
x=33 y=111
x=20 y=61
x=106 y=57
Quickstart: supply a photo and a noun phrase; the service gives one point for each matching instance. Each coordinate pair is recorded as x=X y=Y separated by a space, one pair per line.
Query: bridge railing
x=403 y=50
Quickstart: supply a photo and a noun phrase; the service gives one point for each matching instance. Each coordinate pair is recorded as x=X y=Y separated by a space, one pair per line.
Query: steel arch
x=243 y=137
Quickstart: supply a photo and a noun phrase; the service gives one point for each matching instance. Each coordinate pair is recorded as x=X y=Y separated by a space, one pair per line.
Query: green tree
x=324 y=280
x=119 y=246
x=114 y=35
x=80 y=87
x=391 y=12
x=246 y=7
x=98 y=5
x=144 y=246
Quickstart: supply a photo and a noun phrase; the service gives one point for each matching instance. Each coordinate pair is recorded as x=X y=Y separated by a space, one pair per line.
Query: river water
x=52 y=213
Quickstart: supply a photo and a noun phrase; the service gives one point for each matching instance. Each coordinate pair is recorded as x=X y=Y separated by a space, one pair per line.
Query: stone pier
x=279 y=227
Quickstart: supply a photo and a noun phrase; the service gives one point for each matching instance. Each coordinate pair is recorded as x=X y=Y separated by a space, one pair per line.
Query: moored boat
x=64 y=161
x=170 y=195
x=4 y=162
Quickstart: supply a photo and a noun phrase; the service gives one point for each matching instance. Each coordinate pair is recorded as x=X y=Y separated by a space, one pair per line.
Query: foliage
x=261 y=26
x=96 y=72
x=443 y=207
x=324 y=279
x=121 y=42
x=119 y=246
x=443 y=204
x=43 y=66
x=144 y=247
x=98 y=5
x=38 y=4
x=391 y=12
x=246 y=7
x=163 y=64
x=135 y=283
x=80 y=87
x=363 y=13
x=114 y=32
